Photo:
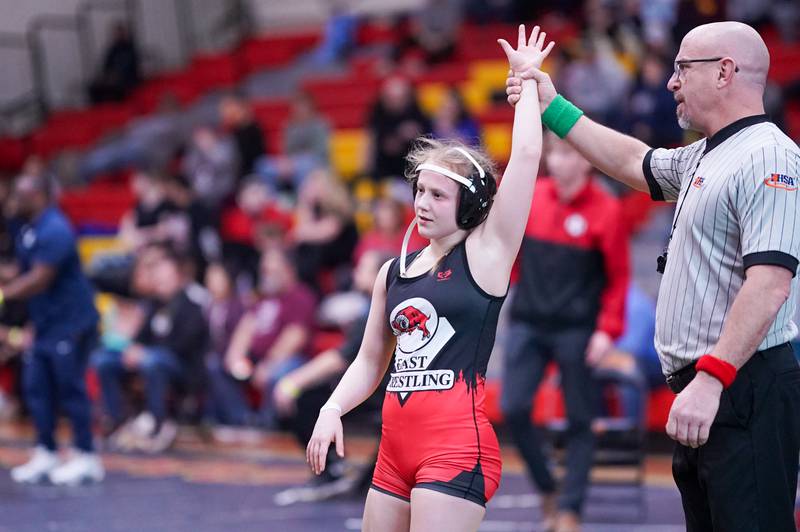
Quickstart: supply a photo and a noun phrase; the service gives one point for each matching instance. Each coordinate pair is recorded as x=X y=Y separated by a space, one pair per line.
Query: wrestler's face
x=435 y=205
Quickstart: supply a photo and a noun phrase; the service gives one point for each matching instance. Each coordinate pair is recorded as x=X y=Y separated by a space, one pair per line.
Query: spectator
x=192 y=228
x=237 y=118
x=595 y=81
x=224 y=311
x=306 y=138
x=634 y=354
x=147 y=223
x=211 y=166
x=299 y=395
x=119 y=74
x=270 y=340
x=339 y=34
x=120 y=322
x=394 y=122
x=167 y=352
x=487 y=11
x=575 y=229
x=13 y=315
x=651 y=109
x=141 y=226
x=390 y=217
x=431 y=32
x=243 y=227
x=325 y=234
x=452 y=121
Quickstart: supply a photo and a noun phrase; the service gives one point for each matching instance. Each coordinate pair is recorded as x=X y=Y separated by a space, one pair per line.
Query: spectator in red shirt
x=270 y=340
x=242 y=226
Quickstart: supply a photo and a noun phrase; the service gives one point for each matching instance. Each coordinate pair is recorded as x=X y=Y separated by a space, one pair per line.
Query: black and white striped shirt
x=737 y=207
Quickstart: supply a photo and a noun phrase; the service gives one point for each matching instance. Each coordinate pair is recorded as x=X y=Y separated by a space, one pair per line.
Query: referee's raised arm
x=618 y=155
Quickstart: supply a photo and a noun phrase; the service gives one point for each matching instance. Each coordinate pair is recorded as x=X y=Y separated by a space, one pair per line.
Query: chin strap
x=404 y=247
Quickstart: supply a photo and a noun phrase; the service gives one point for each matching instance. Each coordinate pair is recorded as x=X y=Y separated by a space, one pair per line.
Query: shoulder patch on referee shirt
x=781 y=181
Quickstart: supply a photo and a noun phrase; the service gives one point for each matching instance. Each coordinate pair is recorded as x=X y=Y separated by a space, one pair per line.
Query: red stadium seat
x=101 y=203
x=262 y=52
x=216 y=70
x=13 y=152
x=498 y=114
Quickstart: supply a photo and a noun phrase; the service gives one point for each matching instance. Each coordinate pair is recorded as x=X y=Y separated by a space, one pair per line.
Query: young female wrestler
x=439 y=460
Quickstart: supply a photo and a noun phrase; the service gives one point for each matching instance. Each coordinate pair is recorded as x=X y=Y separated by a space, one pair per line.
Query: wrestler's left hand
x=530 y=53
x=694 y=410
x=327 y=430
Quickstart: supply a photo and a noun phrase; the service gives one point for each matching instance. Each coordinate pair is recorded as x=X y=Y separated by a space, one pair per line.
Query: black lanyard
x=661 y=261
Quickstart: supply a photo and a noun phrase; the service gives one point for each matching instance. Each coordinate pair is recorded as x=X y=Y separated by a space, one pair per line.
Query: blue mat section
x=128 y=502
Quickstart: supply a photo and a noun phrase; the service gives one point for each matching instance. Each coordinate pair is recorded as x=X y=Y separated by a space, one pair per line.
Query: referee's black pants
x=745 y=477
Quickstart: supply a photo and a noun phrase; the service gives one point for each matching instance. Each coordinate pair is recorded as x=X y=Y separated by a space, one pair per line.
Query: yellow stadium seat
x=363 y=219
x=497 y=140
x=90 y=246
x=430 y=96
x=347 y=151
x=476 y=97
x=491 y=75
x=103 y=302
x=365 y=190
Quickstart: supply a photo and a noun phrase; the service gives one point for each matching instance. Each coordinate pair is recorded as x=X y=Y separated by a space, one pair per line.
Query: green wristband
x=560 y=116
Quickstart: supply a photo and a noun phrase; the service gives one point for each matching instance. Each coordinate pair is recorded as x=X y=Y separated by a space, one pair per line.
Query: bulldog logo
x=409 y=320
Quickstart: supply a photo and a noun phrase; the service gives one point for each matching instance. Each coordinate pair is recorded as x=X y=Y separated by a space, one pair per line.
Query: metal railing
x=25 y=101
x=194 y=21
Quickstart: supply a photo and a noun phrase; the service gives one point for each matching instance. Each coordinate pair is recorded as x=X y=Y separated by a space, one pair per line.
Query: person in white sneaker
x=61 y=306
x=80 y=468
x=43 y=461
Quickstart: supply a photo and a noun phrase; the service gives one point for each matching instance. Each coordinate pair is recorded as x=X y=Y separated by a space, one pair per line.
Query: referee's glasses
x=680 y=65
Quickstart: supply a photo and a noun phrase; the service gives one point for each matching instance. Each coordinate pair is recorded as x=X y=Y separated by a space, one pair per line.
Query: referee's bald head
x=736 y=40
x=720 y=76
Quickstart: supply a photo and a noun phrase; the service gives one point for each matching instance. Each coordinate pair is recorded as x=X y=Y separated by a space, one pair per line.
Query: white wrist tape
x=330 y=405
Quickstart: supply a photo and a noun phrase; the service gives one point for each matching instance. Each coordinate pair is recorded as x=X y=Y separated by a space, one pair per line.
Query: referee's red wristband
x=724 y=372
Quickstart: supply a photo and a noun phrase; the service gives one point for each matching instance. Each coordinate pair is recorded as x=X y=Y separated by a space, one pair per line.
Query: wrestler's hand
x=327 y=430
x=694 y=410
x=545 y=88
x=528 y=54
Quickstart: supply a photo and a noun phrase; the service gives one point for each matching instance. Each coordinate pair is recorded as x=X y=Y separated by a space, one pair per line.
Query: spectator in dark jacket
x=237 y=118
x=394 y=122
x=120 y=72
x=167 y=352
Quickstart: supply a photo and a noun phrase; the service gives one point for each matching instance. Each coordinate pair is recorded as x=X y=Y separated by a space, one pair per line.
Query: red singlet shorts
x=439 y=440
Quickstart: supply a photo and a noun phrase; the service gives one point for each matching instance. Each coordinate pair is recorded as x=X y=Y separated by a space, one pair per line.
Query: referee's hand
x=694 y=410
x=546 y=89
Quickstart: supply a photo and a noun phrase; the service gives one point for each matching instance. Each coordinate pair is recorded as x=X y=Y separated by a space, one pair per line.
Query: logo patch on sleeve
x=781 y=181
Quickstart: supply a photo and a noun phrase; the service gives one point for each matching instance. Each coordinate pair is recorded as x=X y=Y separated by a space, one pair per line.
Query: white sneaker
x=315 y=490
x=36 y=469
x=161 y=440
x=81 y=468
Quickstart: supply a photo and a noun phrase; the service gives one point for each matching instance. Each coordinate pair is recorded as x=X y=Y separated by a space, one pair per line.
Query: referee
x=726 y=301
